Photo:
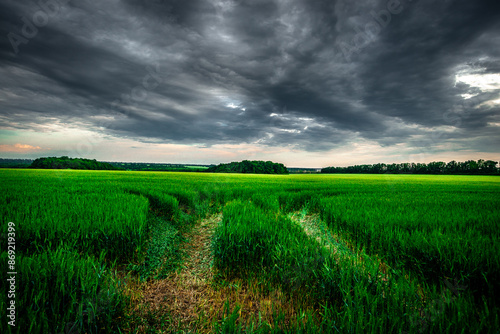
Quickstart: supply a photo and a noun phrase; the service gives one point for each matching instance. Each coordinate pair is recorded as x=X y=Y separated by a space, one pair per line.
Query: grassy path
x=315 y=228
x=422 y=316
x=178 y=300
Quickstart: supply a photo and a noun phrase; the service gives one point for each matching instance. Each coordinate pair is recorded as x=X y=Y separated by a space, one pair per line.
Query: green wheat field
x=153 y=252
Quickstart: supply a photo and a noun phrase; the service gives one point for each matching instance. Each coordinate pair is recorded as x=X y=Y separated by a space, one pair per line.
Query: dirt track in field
x=183 y=294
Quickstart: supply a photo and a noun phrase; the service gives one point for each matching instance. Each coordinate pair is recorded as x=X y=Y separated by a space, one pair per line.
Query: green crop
x=369 y=253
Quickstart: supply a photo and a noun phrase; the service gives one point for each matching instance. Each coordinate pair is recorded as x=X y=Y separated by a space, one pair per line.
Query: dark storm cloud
x=410 y=74
x=308 y=74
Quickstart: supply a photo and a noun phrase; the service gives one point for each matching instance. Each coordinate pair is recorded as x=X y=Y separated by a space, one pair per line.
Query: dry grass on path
x=182 y=294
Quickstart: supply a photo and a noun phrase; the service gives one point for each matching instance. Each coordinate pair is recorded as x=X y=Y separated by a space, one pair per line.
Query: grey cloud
x=217 y=58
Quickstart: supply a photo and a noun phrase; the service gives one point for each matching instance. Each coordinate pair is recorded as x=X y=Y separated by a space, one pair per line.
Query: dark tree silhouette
x=250 y=167
x=470 y=167
x=70 y=163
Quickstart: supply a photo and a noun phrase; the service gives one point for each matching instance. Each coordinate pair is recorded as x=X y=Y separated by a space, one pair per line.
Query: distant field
x=267 y=254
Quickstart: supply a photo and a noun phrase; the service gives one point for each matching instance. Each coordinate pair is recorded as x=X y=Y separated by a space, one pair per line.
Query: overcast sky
x=308 y=83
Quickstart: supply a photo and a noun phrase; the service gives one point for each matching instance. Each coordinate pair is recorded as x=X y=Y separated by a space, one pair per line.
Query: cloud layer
x=307 y=75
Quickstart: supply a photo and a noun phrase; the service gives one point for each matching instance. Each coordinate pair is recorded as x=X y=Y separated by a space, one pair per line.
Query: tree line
x=71 y=163
x=250 y=167
x=470 y=167
x=15 y=163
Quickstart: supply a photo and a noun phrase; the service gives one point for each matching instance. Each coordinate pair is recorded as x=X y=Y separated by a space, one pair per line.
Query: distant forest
x=250 y=167
x=70 y=163
x=471 y=167
x=15 y=163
